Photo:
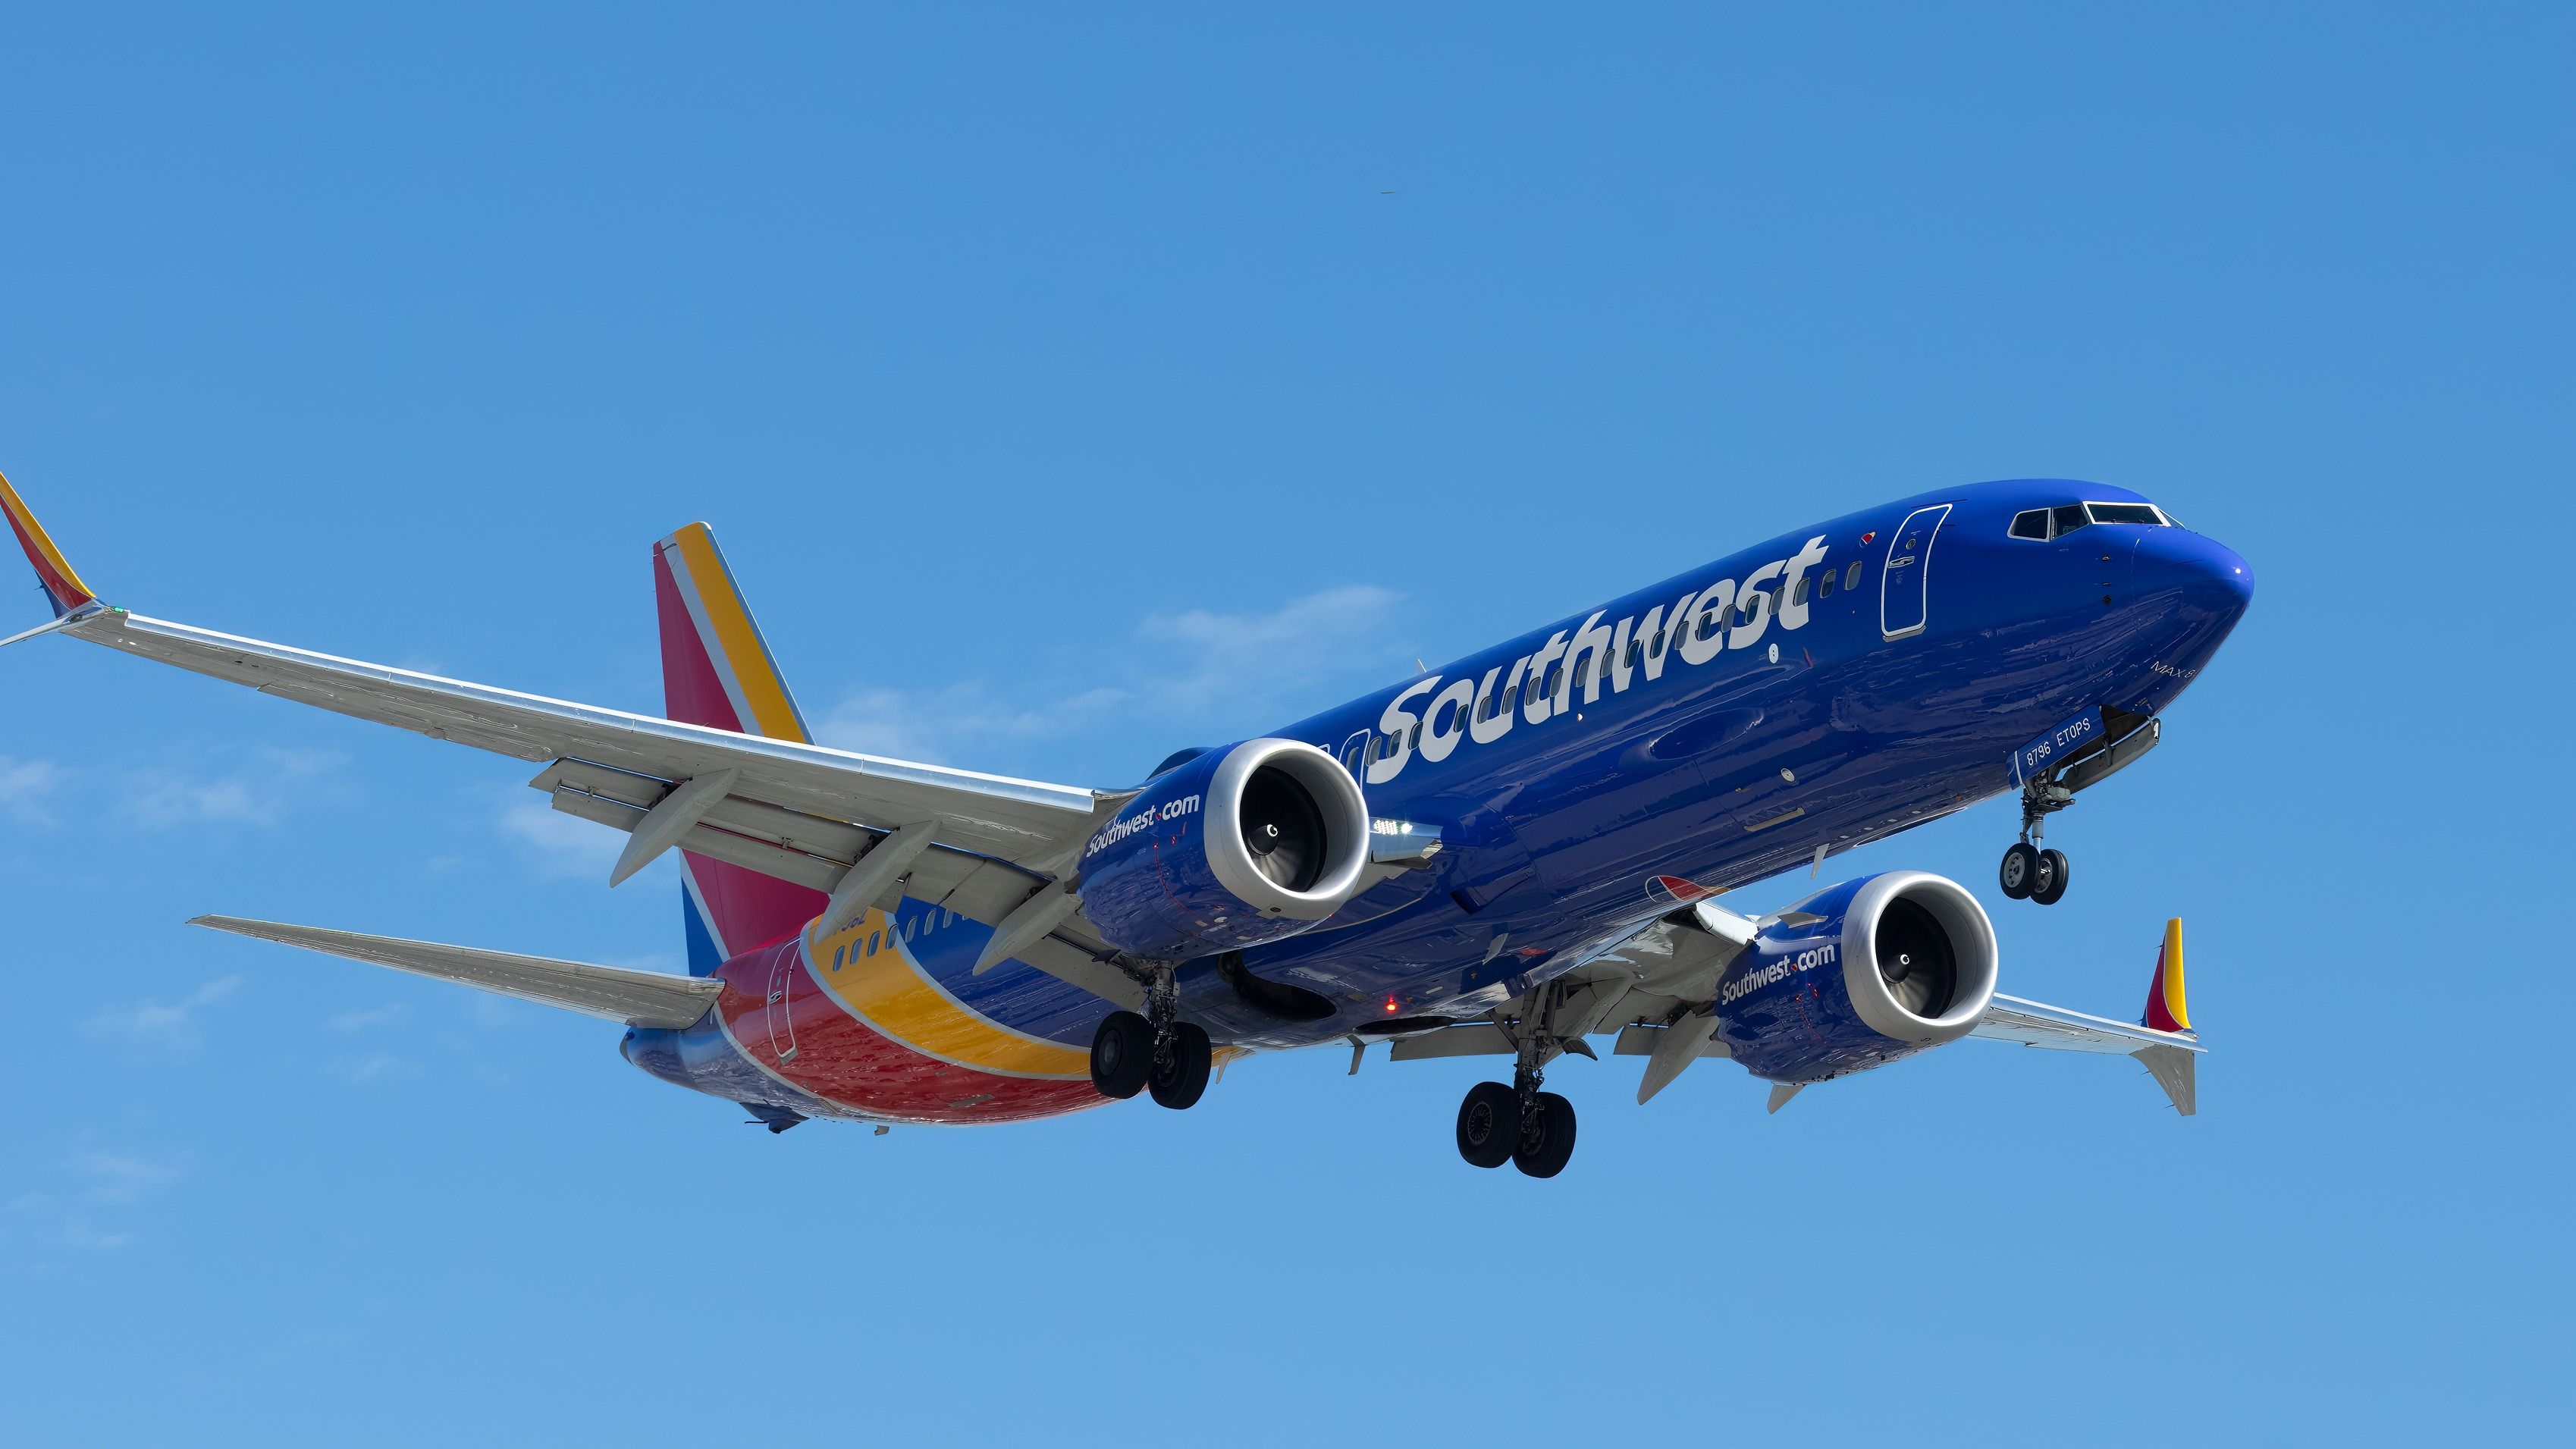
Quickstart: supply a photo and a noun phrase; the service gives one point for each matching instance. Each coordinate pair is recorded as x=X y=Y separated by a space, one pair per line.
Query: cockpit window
x=2033 y=524
x=2070 y=517
x=2126 y=513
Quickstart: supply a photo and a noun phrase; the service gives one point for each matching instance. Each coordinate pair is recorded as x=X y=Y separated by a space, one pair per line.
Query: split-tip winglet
x=2167 y=1009
x=63 y=588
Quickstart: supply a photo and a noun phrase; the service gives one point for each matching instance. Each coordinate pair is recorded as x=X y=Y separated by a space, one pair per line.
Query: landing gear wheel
x=2051 y=884
x=1488 y=1124
x=1547 y=1136
x=1122 y=1054
x=1180 y=1074
x=2019 y=871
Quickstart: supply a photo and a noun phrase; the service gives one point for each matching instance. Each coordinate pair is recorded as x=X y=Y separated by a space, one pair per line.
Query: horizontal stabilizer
x=637 y=998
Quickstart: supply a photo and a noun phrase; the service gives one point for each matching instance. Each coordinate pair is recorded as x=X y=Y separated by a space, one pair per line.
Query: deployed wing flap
x=1020 y=820
x=816 y=852
x=637 y=998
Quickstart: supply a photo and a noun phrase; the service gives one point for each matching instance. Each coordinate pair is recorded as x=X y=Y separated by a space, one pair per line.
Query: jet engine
x=1232 y=848
x=1857 y=976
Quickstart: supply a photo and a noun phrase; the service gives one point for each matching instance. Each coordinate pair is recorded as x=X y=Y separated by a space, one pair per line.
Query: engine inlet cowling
x=1874 y=969
x=1229 y=849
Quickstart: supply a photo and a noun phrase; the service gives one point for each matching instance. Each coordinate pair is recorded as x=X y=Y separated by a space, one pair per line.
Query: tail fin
x=2167 y=1010
x=63 y=588
x=717 y=670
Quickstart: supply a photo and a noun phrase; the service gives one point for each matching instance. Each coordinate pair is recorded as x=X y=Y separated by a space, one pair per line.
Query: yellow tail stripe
x=890 y=992
x=737 y=644
x=2174 y=1000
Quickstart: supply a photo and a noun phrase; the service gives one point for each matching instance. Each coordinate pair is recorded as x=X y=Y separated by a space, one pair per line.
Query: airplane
x=1507 y=856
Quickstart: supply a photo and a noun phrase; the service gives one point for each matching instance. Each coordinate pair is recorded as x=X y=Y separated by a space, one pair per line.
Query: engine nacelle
x=1858 y=975
x=1238 y=846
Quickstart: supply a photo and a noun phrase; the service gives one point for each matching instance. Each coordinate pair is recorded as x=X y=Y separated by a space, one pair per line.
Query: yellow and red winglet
x=2166 y=1008
x=63 y=588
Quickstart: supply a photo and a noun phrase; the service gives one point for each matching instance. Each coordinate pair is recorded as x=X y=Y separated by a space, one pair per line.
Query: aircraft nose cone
x=2207 y=576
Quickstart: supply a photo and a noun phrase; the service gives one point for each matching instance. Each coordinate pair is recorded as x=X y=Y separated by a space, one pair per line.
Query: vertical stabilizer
x=718 y=671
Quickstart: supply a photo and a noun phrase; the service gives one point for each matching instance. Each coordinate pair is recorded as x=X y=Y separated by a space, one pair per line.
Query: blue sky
x=1067 y=389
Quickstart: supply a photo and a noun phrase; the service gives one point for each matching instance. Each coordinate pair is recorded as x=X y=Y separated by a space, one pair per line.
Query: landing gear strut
x=1519 y=1124
x=1153 y=1052
x=2027 y=871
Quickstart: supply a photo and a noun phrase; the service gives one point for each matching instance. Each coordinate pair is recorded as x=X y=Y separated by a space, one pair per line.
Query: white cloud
x=1180 y=669
x=163 y=799
x=24 y=784
x=171 y=1025
x=1226 y=658
x=372 y=1067
x=91 y=1191
x=559 y=846
x=364 y=1020
x=121 y=1178
x=946 y=726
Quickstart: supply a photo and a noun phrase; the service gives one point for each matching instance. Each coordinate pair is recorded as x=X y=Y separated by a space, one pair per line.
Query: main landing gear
x=1155 y=1052
x=1519 y=1124
x=2029 y=872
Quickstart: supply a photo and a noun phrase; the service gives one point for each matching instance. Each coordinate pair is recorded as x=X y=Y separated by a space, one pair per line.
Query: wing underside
x=637 y=998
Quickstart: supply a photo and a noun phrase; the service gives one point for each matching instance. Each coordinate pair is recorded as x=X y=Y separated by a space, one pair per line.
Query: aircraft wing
x=1023 y=821
x=2054 y=1028
x=637 y=998
x=2170 y=1057
x=989 y=847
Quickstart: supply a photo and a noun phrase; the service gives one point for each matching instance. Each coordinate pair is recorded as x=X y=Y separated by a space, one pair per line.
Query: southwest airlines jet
x=1512 y=855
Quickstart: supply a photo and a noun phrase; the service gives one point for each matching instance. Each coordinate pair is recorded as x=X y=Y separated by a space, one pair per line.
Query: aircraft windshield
x=2048 y=523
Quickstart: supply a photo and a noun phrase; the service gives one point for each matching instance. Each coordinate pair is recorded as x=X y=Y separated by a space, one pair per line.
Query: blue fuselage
x=1674 y=734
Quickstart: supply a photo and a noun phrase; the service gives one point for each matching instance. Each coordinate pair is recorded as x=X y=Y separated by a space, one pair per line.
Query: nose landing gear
x=2029 y=872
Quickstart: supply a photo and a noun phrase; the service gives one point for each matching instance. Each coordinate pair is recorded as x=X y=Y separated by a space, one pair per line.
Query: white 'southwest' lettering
x=1541 y=686
x=1778 y=971
x=1145 y=819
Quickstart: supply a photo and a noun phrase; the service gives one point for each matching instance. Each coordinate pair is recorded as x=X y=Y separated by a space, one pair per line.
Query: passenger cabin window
x=1825 y=584
x=2033 y=524
x=1851 y=576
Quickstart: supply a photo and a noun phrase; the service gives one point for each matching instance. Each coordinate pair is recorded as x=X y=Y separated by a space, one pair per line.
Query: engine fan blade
x=1915 y=958
x=1283 y=829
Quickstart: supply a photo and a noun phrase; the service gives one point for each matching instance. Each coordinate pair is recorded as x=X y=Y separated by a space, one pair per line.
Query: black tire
x=1489 y=1123
x=1180 y=1076
x=2052 y=878
x=1122 y=1054
x=2020 y=867
x=1547 y=1137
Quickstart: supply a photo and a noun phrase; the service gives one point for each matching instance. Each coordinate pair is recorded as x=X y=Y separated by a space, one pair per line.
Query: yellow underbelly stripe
x=890 y=992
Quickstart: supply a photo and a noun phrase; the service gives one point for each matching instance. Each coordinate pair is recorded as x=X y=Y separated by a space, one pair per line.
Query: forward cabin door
x=1904 y=585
